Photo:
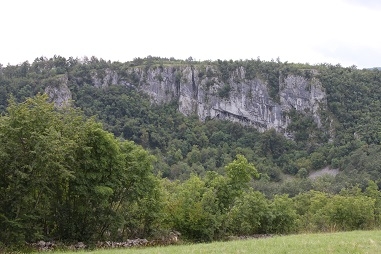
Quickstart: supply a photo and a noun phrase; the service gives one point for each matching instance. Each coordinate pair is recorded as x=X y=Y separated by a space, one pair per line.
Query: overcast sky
x=299 y=31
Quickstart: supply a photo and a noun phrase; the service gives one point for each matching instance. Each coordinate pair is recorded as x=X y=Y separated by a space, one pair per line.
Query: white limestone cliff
x=201 y=90
x=248 y=101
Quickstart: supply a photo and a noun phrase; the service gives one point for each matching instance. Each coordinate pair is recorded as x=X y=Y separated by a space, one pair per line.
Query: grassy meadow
x=342 y=242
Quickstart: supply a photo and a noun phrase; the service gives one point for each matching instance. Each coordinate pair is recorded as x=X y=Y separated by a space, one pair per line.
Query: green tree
x=249 y=213
x=192 y=209
x=66 y=178
x=282 y=215
x=240 y=172
x=373 y=192
x=35 y=156
x=350 y=212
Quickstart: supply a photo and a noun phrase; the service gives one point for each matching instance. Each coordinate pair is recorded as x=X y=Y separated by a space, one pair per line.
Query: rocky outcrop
x=58 y=91
x=103 y=80
x=303 y=95
x=204 y=91
x=237 y=99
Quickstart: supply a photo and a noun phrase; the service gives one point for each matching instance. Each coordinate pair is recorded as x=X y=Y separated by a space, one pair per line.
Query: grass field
x=343 y=242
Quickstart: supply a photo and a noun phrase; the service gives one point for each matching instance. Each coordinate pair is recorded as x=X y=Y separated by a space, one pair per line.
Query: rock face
x=303 y=95
x=237 y=99
x=58 y=91
x=207 y=93
x=102 y=81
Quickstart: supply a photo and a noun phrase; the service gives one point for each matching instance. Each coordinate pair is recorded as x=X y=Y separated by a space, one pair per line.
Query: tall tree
x=64 y=177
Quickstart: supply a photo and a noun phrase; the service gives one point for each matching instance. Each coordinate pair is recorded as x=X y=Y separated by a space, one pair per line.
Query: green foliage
x=33 y=150
x=239 y=173
x=304 y=128
x=192 y=210
x=129 y=114
x=349 y=213
x=250 y=214
x=200 y=208
x=66 y=178
x=224 y=91
x=282 y=215
x=273 y=144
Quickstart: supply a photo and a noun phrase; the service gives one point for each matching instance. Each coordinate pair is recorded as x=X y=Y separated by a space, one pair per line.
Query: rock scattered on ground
x=171 y=238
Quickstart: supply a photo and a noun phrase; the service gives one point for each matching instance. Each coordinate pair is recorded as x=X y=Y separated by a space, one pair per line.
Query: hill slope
x=292 y=118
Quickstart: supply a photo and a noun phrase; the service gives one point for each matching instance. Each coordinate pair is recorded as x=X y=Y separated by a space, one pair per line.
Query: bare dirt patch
x=323 y=171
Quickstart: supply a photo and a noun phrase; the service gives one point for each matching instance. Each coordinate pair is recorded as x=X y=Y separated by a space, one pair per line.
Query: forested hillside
x=143 y=168
x=348 y=139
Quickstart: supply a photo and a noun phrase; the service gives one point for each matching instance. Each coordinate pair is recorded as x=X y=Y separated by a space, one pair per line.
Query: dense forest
x=113 y=165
